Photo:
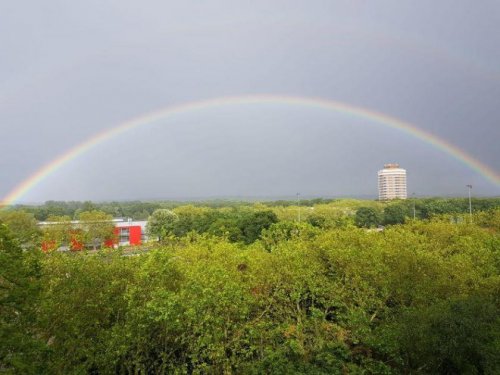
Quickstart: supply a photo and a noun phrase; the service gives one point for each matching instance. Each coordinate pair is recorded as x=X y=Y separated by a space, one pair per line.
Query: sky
x=72 y=70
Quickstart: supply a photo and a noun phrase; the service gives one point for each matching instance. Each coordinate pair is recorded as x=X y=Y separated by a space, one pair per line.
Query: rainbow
x=310 y=102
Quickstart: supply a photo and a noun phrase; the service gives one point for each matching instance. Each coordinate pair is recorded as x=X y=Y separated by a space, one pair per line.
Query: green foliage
x=317 y=221
x=395 y=214
x=57 y=234
x=285 y=209
x=253 y=224
x=24 y=225
x=459 y=336
x=161 y=223
x=20 y=348
x=283 y=231
x=236 y=225
x=95 y=228
x=83 y=301
x=368 y=217
x=488 y=219
x=226 y=227
x=236 y=291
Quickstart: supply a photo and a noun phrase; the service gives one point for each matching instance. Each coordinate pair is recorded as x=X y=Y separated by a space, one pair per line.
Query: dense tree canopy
x=394 y=214
x=241 y=290
x=20 y=348
x=24 y=225
x=425 y=207
x=368 y=217
x=161 y=224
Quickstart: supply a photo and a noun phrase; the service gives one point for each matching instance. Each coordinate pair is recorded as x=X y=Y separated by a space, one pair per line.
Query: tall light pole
x=470 y=202
x=298 y=205
x=414 y=212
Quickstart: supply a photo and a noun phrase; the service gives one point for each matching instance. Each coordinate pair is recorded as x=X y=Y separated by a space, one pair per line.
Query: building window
x=124 y=235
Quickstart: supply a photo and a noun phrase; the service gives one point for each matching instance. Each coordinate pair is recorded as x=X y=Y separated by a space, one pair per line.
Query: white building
x=126 y=232
x=391 y=182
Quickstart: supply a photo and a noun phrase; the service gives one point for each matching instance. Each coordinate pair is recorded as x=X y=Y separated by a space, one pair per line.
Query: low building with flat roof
x=126 y=232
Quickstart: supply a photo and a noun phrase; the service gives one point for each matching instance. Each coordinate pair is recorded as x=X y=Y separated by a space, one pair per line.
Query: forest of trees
x=249 y=289
x=137 y=210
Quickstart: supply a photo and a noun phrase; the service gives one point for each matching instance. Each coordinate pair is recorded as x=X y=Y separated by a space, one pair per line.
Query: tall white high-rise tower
x=391 y=182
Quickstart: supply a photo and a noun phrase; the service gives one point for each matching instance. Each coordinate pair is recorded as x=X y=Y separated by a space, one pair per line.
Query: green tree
x=56 y=233
x=287 y=231
x=161 y=223
x=23 y=225
x=421 y=297
x=20 y=349
x=252 y=224
x=395 y=214
x=226 y=227
x=461 y=336
x=83 y=309
x=317 y=221
x=367 y=217
x=96 y=228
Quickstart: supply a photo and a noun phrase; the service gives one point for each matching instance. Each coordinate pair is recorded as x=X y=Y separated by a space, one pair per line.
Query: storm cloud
x=70 y=70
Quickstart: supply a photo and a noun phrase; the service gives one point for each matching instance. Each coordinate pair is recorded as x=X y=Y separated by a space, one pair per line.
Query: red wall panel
x=135 y=235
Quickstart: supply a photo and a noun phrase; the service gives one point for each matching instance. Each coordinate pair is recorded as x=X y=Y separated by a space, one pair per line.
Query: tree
x=82 y=308
x=253 y=224
x=96 y=228
x=287 y=231
x=161 y=223
x=367 y=217
x=56 y=233
x=460 y=336
x=23 y=226
x=226 y=227
x=191 y=218
x=394 y=214
x=421 y=297
x=317 y=221
x=19 y=288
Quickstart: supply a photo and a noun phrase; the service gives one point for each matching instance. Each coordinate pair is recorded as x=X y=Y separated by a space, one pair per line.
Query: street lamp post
x=414 y=213
x=298 y=205
x=470 y=202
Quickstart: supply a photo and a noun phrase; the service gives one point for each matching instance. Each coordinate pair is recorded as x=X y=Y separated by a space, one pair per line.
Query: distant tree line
x=136 y=210
x=425 y=208
x=398 y=211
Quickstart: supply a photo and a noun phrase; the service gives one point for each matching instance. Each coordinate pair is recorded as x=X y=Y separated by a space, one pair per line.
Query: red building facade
x=126 y=233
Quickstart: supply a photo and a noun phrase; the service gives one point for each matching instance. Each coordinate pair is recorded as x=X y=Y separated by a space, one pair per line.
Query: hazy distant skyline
x=72 y=70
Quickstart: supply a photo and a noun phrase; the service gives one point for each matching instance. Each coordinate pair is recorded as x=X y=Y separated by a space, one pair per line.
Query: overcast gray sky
x=71 y=69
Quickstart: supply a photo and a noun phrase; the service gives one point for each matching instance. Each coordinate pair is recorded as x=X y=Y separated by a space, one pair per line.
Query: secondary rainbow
x=311 y=102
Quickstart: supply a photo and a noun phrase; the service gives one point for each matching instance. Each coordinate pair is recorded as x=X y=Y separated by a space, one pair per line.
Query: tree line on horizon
x=137 y=210
x=238 y=222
